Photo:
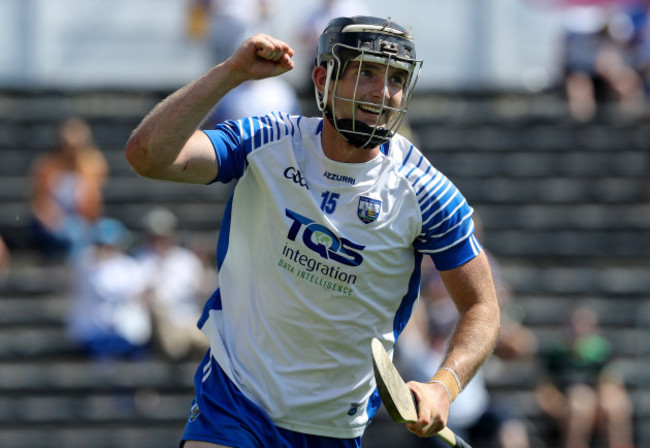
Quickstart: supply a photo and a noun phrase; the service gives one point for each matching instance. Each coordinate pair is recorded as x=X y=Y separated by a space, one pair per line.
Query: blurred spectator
x=255 y=98
x=5 y=259
x=642 y=47
x=475 y=415
x=107 y=317
x=204 y=249
x=314 y=24
x=599 y=62
x=174 y=277
x=67 y=191
x=197 y=19
x=225 y=24
x=5 y=255
x=583 y=393
x=326 y=10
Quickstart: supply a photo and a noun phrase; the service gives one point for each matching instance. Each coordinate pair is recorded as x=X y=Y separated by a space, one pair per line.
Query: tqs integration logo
x=323 y=241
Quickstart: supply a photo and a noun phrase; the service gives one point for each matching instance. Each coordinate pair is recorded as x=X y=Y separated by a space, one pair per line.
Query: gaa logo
x=295 y=175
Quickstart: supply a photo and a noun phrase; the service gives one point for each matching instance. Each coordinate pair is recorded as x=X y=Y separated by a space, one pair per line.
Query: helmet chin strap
x=321 y=98
x=357 y=133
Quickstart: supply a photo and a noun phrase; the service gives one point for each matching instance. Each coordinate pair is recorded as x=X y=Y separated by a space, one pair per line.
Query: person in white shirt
x=107 y=317
x=174 y=276
x=320 y=244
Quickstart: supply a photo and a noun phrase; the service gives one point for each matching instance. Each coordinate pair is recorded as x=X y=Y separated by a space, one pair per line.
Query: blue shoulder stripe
x=277 y=124
x=436 y=176
x=434 y=195
x=422 y=176
x=293 y=128
x=235 y=140
x=416 y=166
x=408 y=156
x=451 y=215
x=245 y=128
x=286 y=121
x=468 y=233
x=448 y=193
x=447 y=226
x=257 y=135
x=259 y=131
x=265 y=130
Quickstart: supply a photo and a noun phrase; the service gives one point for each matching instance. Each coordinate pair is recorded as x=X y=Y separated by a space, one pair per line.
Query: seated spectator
x=107 y=317
x=5 y=258
x=5 y=263
x=225 y=24
x=204 y=249
x=583 y=394
x=67 y=192
x=310 y=29
x=641 y=18
x=599 y=66
x=174 y=277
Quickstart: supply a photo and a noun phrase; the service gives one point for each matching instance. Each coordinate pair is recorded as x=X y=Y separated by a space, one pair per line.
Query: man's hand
x=261 y=56
x=433 y=408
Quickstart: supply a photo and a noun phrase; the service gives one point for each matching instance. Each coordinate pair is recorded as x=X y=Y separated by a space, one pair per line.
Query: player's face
x=370 y=85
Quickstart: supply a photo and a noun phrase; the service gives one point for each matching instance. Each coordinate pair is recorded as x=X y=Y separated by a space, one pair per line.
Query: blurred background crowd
x=537 y=109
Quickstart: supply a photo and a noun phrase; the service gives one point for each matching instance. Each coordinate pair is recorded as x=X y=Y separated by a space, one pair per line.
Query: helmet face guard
x=366 y=40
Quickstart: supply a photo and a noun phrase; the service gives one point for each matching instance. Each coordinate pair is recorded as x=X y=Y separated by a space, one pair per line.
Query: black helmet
x=371 y=34
x=367 y=40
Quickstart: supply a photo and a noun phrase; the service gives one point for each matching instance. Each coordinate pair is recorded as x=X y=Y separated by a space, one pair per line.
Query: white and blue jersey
x=315 y=258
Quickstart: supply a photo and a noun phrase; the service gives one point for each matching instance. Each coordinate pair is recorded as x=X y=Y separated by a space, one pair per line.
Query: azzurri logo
x=340 y=178
x=296 y=176
x=323 y=241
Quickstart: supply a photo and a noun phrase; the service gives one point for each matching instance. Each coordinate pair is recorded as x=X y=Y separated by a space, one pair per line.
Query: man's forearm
x=472 y=289
x=166 y=129
x=473 y=340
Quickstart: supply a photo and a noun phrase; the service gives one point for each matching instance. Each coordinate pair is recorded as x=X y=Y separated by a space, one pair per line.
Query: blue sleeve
x=448 y=229
x=233 y=141
x=230 y=150
x=457 y=255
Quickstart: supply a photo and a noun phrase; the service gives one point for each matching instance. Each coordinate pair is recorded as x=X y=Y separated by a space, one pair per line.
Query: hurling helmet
x=366 y=40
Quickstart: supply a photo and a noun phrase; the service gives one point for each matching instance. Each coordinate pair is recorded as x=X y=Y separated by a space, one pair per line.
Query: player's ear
x=319 y=76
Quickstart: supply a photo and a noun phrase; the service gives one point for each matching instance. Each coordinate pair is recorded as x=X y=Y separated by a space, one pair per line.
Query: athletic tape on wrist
x=448 y=378
x=449 y=369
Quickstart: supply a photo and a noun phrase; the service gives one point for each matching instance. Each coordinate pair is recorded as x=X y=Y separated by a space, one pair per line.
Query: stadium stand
x=565 y=207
